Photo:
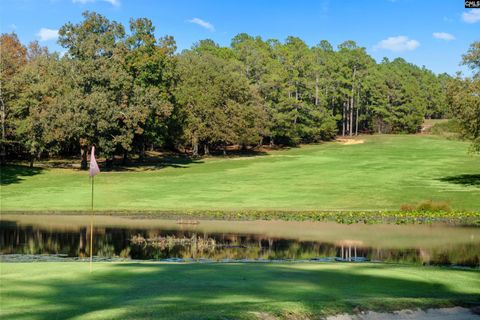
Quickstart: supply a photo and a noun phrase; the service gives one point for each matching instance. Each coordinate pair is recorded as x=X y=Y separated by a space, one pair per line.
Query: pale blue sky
x=430 y=33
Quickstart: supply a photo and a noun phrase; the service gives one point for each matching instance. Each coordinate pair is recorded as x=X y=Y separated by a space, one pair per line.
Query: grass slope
x=220 y=291
x=382 y=173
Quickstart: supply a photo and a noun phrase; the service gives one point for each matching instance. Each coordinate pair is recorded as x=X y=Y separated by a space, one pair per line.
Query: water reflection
x=167 y=240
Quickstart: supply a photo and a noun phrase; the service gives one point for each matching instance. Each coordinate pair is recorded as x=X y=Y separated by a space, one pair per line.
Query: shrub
x=449 y=129
x=427 y=206
x=433 y=206
x=407 y=207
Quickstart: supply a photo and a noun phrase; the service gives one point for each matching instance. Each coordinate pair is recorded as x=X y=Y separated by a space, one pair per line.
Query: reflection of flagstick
x=93 y=171
x=91 y=228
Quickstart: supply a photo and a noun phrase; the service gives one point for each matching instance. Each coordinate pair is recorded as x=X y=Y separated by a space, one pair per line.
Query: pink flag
x=94 y=169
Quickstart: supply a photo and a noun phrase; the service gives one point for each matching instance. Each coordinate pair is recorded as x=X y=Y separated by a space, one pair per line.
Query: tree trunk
x=2 y=143
x=32 y=158
x=3 y=153
x=346 y=116
x=83 y=154
x=109 y=162
x=352 y=103
x=356 y=116
x=350 y=132
x=356 y=122
x=141 y=156
x=272 y=142
x=316 y=90
x=206 y=151
x=194 y=147
x=125 y=157
x=343 y=119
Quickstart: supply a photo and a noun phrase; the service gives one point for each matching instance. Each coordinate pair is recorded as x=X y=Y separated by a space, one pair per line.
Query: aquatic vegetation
x=414 y=216
x=417 y=216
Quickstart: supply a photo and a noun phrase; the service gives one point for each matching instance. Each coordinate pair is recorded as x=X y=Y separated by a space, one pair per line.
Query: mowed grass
x=383 y=173
x=224 y=291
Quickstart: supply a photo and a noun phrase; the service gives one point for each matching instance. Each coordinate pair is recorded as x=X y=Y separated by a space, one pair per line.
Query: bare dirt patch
x=350 y=141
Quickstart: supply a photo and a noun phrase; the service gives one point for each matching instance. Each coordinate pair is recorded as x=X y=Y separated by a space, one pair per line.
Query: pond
x=44 y=237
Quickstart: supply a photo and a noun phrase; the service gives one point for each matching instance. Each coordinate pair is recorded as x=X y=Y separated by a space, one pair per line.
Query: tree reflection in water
x=158 y=243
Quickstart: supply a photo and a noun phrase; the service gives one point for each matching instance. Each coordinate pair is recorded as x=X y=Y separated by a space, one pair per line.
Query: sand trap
x=350 y=141
x=456 y=313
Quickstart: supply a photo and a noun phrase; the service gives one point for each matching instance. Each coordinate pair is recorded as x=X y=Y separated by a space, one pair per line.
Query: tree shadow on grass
x=156 y=162
x=153 y=163
x=219 y=291
x=15 y=174
x=463 y=179
x=241 y=154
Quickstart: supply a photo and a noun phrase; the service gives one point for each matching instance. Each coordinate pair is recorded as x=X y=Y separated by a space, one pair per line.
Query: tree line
x=126 y=91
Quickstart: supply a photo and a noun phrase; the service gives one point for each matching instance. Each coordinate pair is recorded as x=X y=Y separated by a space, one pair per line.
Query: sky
x=433 y=34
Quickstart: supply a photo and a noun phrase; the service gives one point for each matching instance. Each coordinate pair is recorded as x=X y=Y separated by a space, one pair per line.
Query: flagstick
x=93 y=171
x=91 y=229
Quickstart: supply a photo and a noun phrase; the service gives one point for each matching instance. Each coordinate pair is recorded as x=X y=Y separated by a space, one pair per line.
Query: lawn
x=381 y=174
x=219 y=291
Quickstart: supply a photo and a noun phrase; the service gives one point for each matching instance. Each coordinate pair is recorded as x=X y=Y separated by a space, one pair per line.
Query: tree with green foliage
x=123 y=90
x=220 y=107
x=472 y=58
x=122 y=84
x=151 y=68
x=464 y=97
x=354 y=66
x=397 y=100
x=95 y=52
x=13 y=57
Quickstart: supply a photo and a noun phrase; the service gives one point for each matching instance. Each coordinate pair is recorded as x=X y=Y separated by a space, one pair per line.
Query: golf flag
x=94 y=169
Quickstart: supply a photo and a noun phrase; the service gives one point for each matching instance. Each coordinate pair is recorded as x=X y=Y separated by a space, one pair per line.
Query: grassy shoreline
x=344 y=217
x=214 y=291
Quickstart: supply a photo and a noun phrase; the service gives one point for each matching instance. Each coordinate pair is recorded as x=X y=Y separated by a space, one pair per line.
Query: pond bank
x=471 y=218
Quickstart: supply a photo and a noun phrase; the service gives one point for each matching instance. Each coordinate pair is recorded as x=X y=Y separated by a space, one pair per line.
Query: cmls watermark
x=472 y=4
